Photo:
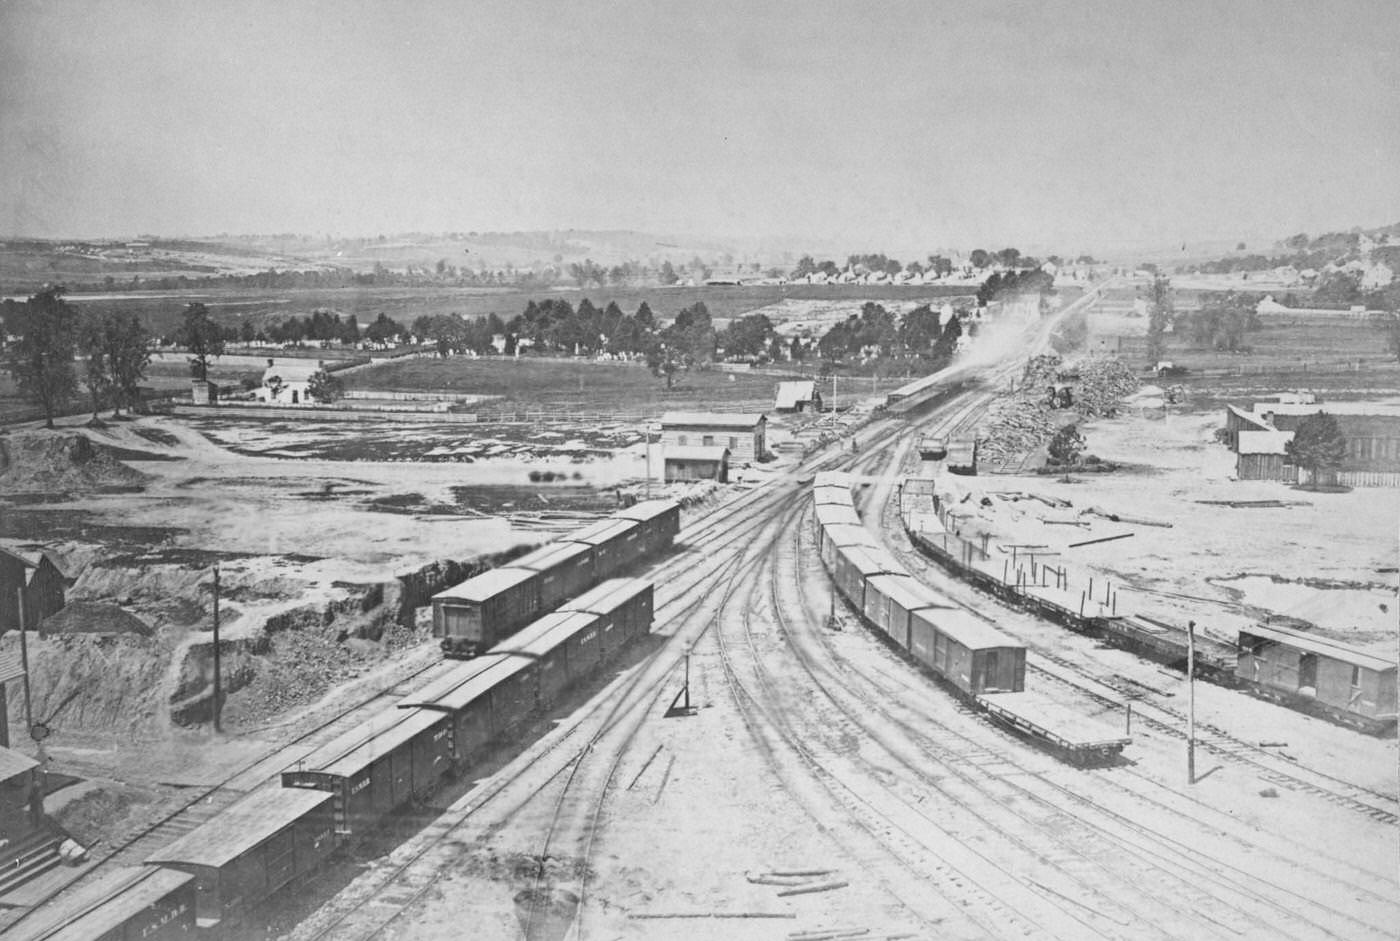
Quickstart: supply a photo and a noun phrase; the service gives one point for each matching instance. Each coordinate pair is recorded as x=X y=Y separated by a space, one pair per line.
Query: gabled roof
x=31 y=555
x=488 y=584
x=745 y=420
x=13 y=763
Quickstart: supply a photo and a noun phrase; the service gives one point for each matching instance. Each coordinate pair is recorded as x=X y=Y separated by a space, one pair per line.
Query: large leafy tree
x=747 y=336
x=1318 y=446
x=128 y=354
x=92 y=344
x=1159 y=314
x=42 y=359
x=202 y=337
x=324 y=387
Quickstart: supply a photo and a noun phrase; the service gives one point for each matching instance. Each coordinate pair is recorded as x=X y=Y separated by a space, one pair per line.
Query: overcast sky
x=925 y=123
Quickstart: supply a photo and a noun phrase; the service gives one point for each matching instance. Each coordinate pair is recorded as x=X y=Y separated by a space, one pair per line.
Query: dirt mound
x=61 y=461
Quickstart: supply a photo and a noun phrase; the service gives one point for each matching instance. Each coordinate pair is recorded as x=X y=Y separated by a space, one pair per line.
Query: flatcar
x=1315 y=674
x=470 y=617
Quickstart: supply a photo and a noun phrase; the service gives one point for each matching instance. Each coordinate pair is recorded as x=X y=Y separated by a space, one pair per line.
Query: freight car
x=218 y=874
x=981 y=664
x=133 y=903
x=470 y=617
x=1314 y=674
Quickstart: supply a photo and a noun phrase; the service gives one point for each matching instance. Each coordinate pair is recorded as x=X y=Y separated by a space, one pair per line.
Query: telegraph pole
x=24 y=664
x=218 y=679
x=1190 y=702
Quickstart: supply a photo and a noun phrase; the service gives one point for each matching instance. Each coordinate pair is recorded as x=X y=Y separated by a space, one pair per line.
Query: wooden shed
x=799 y=396
x=696 y=463
x=44 y=582
x=744 y=434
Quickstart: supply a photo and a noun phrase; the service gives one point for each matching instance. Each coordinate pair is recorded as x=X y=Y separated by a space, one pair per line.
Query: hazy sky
x=880 y=125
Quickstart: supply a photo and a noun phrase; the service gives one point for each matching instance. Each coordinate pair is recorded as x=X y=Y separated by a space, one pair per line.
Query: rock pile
x=1021 y=421
x=60 y=462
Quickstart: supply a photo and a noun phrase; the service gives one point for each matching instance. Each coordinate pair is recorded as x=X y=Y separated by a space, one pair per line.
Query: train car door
x=1307 y=674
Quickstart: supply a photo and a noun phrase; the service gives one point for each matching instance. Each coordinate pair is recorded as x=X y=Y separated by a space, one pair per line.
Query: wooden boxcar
x=616 y=544
x=133 y=903
x=966 y=652
x=251 y=850
x=377 y=768
x=891 y=599
x=1307 y=671
x=837 y=514
x=482 y=704
x=473 y=616
x=840 y=535
x=565 y=569
x=854 y=564
x=660 y=521
x=624 y=607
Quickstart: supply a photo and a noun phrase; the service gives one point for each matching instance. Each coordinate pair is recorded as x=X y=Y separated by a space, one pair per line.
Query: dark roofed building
x=697 y=463
x=45 y=584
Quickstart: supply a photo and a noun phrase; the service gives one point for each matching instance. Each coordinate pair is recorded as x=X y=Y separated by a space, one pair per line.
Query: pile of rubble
x=1023 y=420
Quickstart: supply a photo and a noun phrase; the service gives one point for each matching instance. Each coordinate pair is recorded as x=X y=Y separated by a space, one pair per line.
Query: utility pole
x=24 y=664
x=833 y=398
x=1190 y=702
x=218 y=679
x=648 y=470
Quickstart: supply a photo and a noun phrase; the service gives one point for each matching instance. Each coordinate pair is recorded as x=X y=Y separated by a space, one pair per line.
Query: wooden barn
x=45 y=584
x=743 y=434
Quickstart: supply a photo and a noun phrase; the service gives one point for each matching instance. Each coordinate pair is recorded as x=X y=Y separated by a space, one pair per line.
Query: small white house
x=285 y=382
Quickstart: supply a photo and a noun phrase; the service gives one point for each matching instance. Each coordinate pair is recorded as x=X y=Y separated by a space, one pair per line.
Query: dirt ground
x=1325 y=561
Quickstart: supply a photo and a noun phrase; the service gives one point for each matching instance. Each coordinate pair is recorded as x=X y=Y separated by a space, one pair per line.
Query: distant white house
x=286 y=382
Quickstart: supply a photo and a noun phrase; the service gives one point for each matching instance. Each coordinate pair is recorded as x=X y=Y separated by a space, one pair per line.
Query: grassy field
x=575 y=386
x=161 y=312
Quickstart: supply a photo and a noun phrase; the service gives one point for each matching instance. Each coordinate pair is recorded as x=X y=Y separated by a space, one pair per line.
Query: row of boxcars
x=483 y=610
x=984 y=665
x=214 y=876
x=1295 y=668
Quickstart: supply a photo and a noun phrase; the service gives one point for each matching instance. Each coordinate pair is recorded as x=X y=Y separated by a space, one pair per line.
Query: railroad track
x=1215 y=889
x=1108 y=689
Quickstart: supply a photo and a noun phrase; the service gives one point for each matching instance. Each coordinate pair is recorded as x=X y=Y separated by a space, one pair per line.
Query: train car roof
x=359 y=748
x=845 y=534
x=602 y=531
x=105 y=903
x=647 y=510
x=502 y=668
x=908 y=592
x=461 y=672
x=1321 y=646
x=552 y=630
x=967 y=629
x=608 y=596
x=549 y=555
x=487 y=585
x=872 y=560
x=839 y=496
x=832 y=479
x=833 y=513
x=239 y=828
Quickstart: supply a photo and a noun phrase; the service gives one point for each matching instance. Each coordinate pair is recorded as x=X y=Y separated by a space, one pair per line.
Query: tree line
x=52 y=336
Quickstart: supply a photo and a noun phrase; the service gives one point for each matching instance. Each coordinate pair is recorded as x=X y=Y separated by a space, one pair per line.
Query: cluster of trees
x=1029 y=281
x=1220 y=323
x=877 y=332
x=53 y=335
x=1342 y=289
x=319 y=325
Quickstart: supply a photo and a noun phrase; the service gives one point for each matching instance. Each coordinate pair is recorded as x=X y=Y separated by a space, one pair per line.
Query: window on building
x=733 y=443
x=680 y=439
x=1355 y=675
x=708 y=441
